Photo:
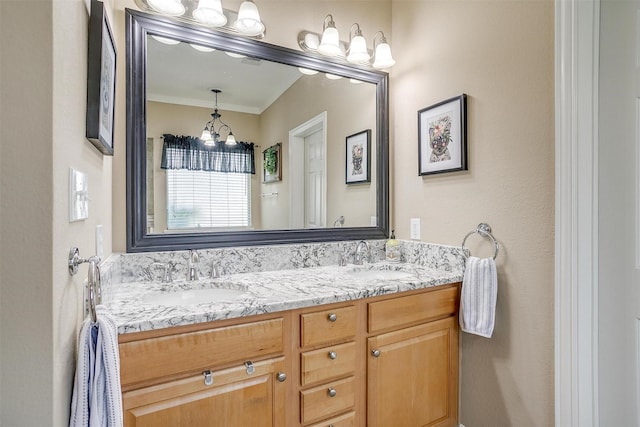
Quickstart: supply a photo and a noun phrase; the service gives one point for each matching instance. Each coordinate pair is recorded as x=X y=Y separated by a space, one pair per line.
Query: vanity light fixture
x=210 y=13
x=330 y=41
x=211 y=135
x=382 y=58
x=358 y=53
x=355 y=51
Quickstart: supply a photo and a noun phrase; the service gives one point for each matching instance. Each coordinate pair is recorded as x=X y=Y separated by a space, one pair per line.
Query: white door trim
x=296 y=168
x=576 y=196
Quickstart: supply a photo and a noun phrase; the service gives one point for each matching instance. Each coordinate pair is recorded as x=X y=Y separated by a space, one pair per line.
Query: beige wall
x=43 y=46
x=501 y=54
x=307 y=98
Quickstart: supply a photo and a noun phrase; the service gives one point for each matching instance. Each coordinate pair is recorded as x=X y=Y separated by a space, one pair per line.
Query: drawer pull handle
x=375 y=353
x=281 y=377
x=332 y=317
x=208 y=377
x=332 y=392
x=333 y=355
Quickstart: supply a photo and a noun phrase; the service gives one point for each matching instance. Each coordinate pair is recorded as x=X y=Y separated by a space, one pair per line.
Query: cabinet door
x=413 y=376
x=235 y=398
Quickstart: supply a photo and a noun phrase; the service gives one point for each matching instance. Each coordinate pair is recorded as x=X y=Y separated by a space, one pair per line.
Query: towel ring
x=485 y=231
x=93 y=286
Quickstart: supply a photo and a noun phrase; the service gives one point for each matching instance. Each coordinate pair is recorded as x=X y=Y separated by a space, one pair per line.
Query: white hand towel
x=97 y=399
x=478 y=298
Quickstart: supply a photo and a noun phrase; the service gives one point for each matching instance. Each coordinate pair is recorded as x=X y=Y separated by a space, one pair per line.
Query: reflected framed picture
x=358 y=157
x=442 y=137
x=101 y=80
x=272 y=163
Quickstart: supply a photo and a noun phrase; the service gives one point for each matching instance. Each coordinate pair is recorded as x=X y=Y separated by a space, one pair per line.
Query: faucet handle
x=166 y=272
x=215 y=270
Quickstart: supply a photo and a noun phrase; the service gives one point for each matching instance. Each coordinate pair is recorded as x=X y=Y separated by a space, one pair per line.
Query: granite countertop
x=133 y=310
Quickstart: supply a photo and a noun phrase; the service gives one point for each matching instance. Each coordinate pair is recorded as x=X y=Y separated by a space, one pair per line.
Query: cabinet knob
x=208 y=377
x=375 y=353
x=333 y=355
x=332 y=392
x=281 y=377
x=332 y=317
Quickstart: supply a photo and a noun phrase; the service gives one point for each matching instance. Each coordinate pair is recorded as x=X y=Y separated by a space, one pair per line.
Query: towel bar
x=484 y=230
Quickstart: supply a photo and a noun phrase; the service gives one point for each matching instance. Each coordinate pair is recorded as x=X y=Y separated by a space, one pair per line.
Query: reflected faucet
x=359 y=256
x=192 y=268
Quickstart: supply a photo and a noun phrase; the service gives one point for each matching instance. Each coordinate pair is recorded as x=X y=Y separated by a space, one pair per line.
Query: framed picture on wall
x=272 y=163
x=442 y=137
x=101 y=80
x=358 y=158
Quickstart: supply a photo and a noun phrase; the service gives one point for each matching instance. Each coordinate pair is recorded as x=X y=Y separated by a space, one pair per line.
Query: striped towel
x=97 y=399
x=478 y=299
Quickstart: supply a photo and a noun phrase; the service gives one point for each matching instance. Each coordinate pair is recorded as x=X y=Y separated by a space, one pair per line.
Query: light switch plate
x=415 y=228
x=78 y=196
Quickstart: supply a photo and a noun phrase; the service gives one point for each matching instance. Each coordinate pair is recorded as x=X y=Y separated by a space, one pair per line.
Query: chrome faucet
x=192 y=268
x=359 y=257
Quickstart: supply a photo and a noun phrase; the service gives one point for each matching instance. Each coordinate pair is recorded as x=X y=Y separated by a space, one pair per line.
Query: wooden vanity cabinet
x=412 y=372
x=231 y=375
x=376 y=362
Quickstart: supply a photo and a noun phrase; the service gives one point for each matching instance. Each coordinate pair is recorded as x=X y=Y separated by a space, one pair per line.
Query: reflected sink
x=377 y=274
x=194 y=296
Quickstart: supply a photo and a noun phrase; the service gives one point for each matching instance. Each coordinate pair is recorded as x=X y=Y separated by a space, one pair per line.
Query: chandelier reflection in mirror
x=210 y=13
x=211 y=135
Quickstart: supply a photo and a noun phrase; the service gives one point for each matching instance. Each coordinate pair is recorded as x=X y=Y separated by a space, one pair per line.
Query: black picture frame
x=442 y=137
x=101 y=80
x=276 y=175
x=358 y=157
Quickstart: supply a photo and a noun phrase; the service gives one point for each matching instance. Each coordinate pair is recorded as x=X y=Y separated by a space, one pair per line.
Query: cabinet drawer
x=318 y=402
x=328 y=362
x=346 y=420
x=417 y=308
x=326 y=326
x=183 y=353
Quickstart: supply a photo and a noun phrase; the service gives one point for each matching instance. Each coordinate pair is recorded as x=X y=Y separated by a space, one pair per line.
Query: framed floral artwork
x=442 y=137
x=358 y=158
x=272 y=159
x=101 y=80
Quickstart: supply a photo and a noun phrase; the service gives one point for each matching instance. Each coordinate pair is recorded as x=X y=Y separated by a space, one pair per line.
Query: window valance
x=188 y=152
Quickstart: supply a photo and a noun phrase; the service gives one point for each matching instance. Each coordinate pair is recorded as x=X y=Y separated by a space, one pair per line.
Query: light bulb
x=209 y=12
x=358 y=50
x=383 y=58
x=248 y=22
x=167 y=7
x=330 y=41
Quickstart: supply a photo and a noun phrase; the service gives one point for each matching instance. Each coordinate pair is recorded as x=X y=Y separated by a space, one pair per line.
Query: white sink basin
x=194 y=296
x=380 y=274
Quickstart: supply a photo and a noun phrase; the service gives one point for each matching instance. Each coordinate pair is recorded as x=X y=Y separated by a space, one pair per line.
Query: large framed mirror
x=306 y=123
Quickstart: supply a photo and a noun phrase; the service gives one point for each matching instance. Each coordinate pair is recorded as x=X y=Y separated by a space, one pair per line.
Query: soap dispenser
x=392 y=248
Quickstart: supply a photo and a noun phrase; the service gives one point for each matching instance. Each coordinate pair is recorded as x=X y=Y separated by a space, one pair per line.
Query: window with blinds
x=203 y=199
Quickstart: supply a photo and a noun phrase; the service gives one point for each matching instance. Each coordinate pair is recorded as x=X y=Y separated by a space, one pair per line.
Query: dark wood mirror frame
x=138 y=25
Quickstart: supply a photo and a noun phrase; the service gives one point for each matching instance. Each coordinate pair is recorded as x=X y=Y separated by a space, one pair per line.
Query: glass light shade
x=332 y=76
x=330 y=42
x=383 y=58
x=209 y=12
x=248 y=22
x=358 y=50
x=307 y=71
x=201 y=48
x=167 y=7
x=235 y=55
x=206 y=137
x=231 y=140
x=165 y=40
x=356 y=81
